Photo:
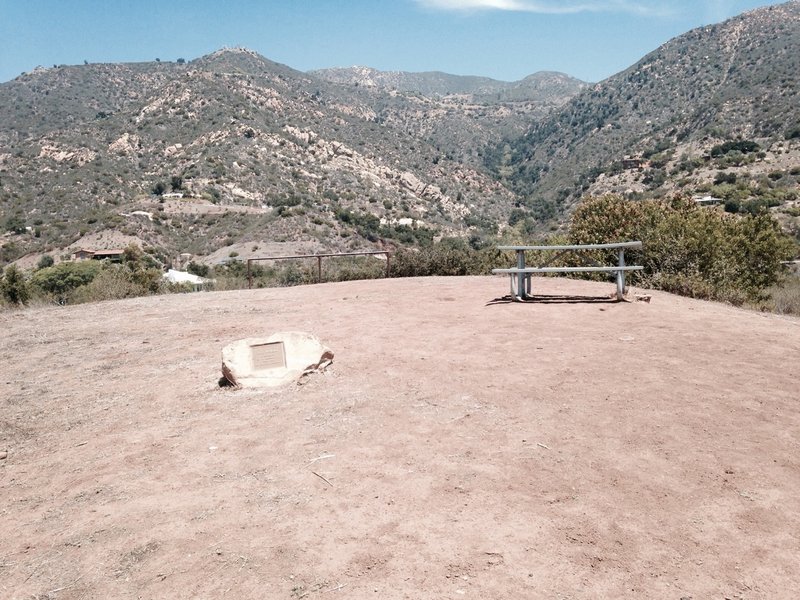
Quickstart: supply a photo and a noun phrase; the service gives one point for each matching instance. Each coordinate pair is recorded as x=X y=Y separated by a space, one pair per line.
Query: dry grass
x=785 y=298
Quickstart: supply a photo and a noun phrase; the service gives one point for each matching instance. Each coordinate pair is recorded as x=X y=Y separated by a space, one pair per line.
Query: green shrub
x=13 y=286
x=45 y=261
x=60 y=281
x=114 y=282
x=198 y=269
x=449 y=256
x=91 y=280
x=743 y=146
x=689 y=250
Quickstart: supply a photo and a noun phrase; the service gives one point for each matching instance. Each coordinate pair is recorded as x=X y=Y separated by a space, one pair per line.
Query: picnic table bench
x=522 y=274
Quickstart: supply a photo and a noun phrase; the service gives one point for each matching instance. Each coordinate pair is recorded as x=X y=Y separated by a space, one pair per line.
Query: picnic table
x=522 y=273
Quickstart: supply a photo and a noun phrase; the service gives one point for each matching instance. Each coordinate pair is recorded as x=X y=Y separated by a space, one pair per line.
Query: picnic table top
x=635 y=244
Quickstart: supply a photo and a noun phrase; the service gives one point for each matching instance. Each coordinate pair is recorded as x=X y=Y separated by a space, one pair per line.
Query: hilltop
x=571 y=447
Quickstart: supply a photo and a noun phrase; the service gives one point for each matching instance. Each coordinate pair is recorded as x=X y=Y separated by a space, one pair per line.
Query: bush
x=449 y=256
x=15 y=224
x=198 y=269
x=13 y=287
x=45 y=261
x=91 y=280
x=60 y=281
x=113 y=283
x=689 y=250
x=743 y=146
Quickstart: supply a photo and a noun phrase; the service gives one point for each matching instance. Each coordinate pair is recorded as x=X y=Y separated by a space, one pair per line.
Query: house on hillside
x=79 y=255
x=111 y=255
x=114 y=255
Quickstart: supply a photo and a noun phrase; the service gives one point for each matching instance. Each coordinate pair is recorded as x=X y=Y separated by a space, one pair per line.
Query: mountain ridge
x=439 y=83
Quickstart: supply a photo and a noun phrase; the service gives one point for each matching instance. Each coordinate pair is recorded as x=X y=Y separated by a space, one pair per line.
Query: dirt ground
x=458 y=448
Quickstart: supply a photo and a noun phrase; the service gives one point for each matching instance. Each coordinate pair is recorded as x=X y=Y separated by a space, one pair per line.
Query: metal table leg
x=621 y=275
x=520 y=275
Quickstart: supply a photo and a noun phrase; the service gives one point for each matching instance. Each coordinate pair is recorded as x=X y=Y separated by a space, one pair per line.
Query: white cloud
x=552 y=7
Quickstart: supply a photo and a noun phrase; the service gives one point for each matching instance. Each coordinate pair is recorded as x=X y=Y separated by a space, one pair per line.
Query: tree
x=13 y=286
x=15 y=223
x=60 y=280
x=45 y=261
x=141 y=270
x=689 y=250
x=181 y=61
x=198 y=269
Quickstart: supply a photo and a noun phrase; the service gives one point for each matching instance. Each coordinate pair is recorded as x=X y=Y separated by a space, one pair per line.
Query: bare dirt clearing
x=454 y=450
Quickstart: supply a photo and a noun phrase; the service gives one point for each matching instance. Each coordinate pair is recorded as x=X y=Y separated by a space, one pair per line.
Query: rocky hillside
x=544 y=87
x=713 y=112
x=233 y=149
x=460 y=115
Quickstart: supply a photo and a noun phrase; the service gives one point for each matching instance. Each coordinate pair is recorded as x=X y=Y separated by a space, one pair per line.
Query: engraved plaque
x=268 y=356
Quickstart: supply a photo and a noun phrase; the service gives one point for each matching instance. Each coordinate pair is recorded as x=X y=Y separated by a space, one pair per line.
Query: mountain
x=681 y=115
x=460 y=115
x=544 y=86
x=259 y=152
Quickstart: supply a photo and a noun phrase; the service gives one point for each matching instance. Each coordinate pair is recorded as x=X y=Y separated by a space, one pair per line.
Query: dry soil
x=461 y=446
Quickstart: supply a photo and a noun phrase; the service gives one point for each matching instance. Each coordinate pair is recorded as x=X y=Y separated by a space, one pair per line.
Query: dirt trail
x=456 y=449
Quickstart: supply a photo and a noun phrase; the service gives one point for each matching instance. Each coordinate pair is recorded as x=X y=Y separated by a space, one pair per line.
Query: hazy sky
x=503 y=39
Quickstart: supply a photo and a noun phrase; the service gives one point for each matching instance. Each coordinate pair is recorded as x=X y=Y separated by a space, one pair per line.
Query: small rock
x=3 y=454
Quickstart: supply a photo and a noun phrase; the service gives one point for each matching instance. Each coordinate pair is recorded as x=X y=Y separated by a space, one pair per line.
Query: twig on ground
x=244 y=559
x=323 y=457
x=541 y=445
x=66 y=586
x=338 y=587
x=323 y=479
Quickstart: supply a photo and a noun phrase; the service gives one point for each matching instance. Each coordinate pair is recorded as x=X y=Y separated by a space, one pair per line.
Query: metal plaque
x=268 y=356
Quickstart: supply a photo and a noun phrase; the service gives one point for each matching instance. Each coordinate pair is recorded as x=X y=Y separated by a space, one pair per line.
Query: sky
x=502 y=39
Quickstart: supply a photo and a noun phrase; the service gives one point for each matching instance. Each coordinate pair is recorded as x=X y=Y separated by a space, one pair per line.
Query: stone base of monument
x=273 y=361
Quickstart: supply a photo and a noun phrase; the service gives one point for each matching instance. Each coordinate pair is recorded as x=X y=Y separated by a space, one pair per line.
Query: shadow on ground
x=555 y=299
